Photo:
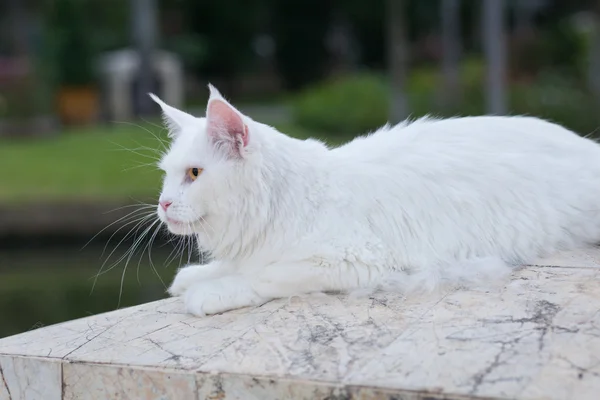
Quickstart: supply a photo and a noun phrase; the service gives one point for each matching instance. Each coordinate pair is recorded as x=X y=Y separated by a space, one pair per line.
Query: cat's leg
x=257 y=286
x=191 y=274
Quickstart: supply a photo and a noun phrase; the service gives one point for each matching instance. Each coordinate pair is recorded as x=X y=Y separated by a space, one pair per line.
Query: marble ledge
x=538 y=337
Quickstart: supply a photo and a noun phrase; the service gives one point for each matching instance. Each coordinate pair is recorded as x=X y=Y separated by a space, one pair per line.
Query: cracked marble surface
x=538 y=337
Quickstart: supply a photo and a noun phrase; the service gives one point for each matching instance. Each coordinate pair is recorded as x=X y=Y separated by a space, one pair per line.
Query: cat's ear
x=173 y=118
x=225 y=125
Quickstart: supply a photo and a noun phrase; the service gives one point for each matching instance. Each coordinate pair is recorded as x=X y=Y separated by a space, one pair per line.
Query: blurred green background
x=79 y=137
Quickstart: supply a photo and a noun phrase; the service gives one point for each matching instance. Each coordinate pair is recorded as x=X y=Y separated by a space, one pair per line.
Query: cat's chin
x=180 y=228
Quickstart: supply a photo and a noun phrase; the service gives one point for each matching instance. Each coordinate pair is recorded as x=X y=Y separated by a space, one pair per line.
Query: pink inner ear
x=223 y=120
x=245 y=136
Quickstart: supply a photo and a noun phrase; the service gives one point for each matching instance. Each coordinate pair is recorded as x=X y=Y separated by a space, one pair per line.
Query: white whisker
x=131 y=253
x=161 y=141
x=140 y=220
x=135 y=229
x=123 y=148
x=123 y=218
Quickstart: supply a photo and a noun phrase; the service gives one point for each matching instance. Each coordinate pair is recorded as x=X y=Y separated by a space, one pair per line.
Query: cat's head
x=213 y=171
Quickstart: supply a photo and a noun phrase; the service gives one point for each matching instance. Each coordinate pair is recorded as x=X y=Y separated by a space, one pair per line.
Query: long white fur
x=456 y=202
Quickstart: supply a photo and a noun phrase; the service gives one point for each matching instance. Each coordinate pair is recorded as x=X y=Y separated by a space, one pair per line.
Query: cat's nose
x=165 y=204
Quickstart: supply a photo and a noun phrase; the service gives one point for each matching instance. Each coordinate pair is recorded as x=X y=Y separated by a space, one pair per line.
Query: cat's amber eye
x=193 y=173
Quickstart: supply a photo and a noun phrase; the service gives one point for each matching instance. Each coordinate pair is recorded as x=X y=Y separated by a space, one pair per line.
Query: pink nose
x=165 y=204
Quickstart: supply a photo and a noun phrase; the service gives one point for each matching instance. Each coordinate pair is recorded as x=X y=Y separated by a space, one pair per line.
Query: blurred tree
x=72 y=44
x=562 y=48
x=19 y=27
x=451 y=52
x=111 y=25
x=369 y=29
x=341 y=44
x=73 y=50
x=493 y=20
x=397 y=58
x=299 y=28
x=524 y=15
x=226 y=30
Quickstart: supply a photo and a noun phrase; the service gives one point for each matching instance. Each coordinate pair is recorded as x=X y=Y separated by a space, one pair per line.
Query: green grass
x=105 y=163
x=94 y=163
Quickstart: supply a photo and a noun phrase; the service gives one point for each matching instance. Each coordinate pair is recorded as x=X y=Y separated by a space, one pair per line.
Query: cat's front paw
x=219 y=295
x=185 y=278
x=192 y=274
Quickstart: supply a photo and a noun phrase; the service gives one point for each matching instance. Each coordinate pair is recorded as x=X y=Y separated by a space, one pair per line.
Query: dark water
x=46 y=285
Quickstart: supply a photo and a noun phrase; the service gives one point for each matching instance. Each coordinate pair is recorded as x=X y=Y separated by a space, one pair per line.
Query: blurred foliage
x=300 y=45
x=346 y=106
x=563 y=49
x=74 y=33
x=110 y=26
x=560 y=47
x=215 y=39
x=357 y=104
x=558 y=98
x=191 y=48
x=225 y=29
x=16 y=100
x=299 y=29
x=368 y=28
x=25 y=96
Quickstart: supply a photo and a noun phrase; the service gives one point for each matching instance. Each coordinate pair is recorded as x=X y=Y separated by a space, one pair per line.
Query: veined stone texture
x=537 y=337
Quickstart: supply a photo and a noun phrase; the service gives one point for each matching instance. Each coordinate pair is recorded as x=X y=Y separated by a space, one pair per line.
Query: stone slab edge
x=60 y=379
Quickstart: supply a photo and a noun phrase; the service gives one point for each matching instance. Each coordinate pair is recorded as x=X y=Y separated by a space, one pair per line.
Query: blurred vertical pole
x=397 y=59
x=143 y=14
x=495 y=54
x=451 y=48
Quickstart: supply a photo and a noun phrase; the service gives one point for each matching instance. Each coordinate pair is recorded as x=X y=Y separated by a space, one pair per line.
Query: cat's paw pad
x=212 y=297
x=185 y=278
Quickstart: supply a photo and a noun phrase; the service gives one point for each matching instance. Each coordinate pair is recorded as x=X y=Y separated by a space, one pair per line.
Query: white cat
x=455 y=201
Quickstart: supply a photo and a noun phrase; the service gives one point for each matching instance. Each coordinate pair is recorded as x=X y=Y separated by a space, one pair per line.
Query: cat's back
x=470 y=186
x=482 y=135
